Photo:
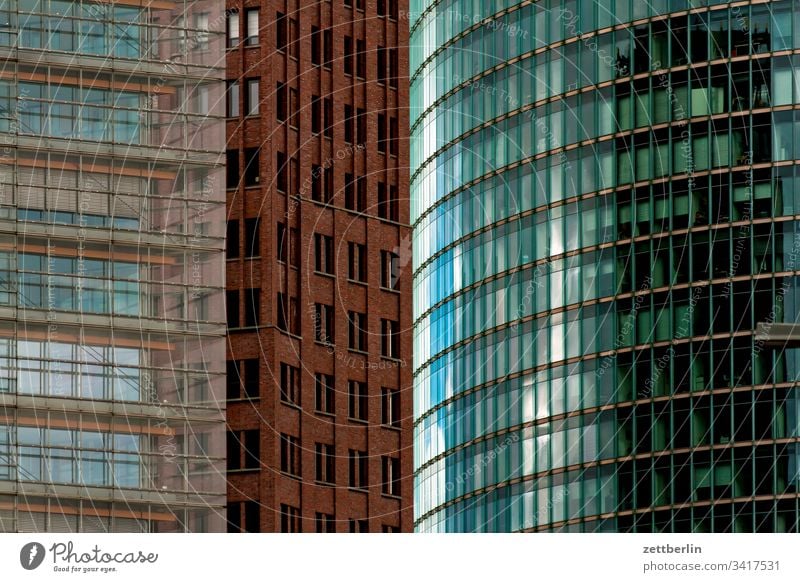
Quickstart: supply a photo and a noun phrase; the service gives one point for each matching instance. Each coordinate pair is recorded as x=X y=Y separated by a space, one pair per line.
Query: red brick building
x=318 y=267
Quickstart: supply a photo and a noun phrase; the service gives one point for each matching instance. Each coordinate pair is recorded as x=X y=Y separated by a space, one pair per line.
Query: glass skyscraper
x=605 y=201
x=112 y=218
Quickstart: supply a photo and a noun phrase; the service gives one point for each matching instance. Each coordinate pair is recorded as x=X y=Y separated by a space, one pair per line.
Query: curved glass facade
x=112 y=218
x=606 y=205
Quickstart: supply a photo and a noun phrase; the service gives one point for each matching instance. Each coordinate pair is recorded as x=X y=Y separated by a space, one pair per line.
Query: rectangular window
x=382 y=133
x=394 y=68
x=390 y=347
x=232 y=308
x=381 y=54
x=282 y=177
x=251 y=16
x=243 y=449
x=233 y=29
x=251 y=517
x=242 y=374
x=325 y=459
x=394 y=137
x=290 y=455
x=357 y=405
x=252 y=307
x=327 y=47
x=232 y=239
x=317 y=183
x=252 y=167
x=281 y=102
x=323 y=254
x=281 y=31
x=390 y=270
x=357 y=263
x=283 y=243
x=390 y=476
x=349 y=123
x=357 y=331
x=324 y=393
x=294 y=105
x=252 y=98
x=361 y=59
x=232 y=169
x=323 y=323
x=232 y=99
x=324 y=523
x=348 y=55
x=359 y=526
x=316 y=114
x=361 y=126
x=287 y=314
x=290 y=384
x=251 y=237
x=358 y=469
x=290 y=519
x=316 y=46
x=328 y=117
x=390 y=407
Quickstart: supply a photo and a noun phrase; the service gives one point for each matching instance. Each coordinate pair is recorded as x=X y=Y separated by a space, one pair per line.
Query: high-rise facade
x=111 y=266
x=604 y=203
x=318 y=267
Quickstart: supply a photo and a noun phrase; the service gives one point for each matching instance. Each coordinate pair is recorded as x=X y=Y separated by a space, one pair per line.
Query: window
x=290 y=455
x=357 y=336
x=251 y=170
x=252 y=98
x=252 y=307
x=324 y=523
x=348 y=55
x=357 y=264
x=232 y=169
x=358 y=469
x=282 y=178
x=390 y=270
x=316 y=46
x=290 y=519
x=290 y=384
x=281 y=102
x=394 y=137
x=393 y=68
x=323 y=254
x=233 y=29
x=232 y=308
x=361 y=126
x=232 y=99
x=200 y=41
x=232 y=239
x=361 y=59
x=243 y=449
x=381 y=133
x=251 y=517
x=381 y=76
x=286 y=34
x=324 y=393
x=322 y=115
x=389 y=338
x=283 y=243
x=390 y=476
x=386 y=528
x=251 y=237
x=287 y=314
x=349 y=123
x=327 y=48
x=390 y=407
x=359 y=526
x=392 y=12
x=243 y=374
x=251 y=18
x=357 y=400
x=325 y=463
x=323 y=323
x=355 y=193
x=386 y=202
